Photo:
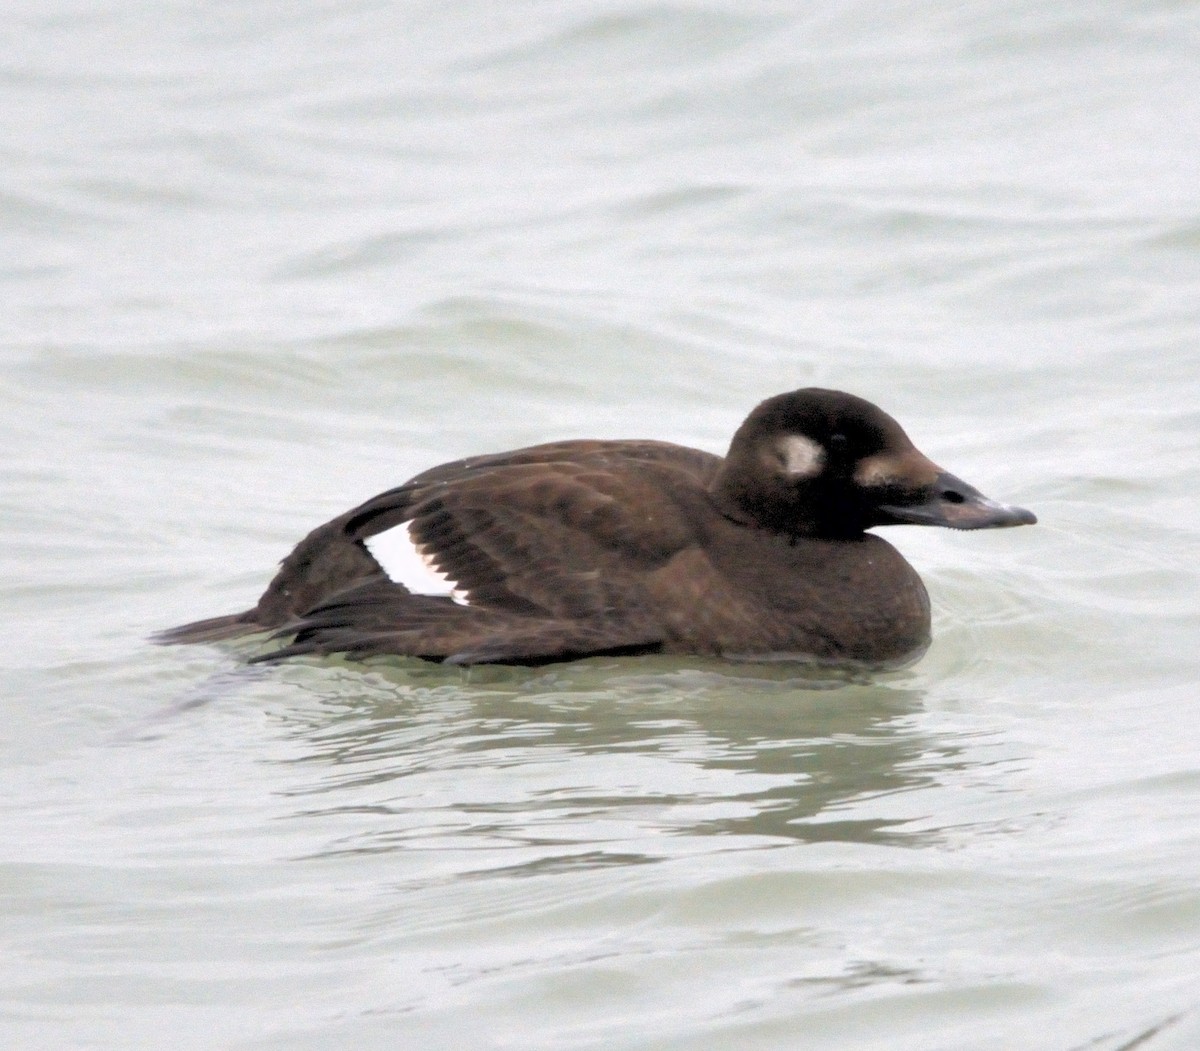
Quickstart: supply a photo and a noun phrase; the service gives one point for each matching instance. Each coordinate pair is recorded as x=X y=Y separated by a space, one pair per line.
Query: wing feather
x=556 y=547
x=564 y=530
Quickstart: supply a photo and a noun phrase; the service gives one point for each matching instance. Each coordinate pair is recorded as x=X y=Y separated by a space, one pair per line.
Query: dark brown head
x=824 y=463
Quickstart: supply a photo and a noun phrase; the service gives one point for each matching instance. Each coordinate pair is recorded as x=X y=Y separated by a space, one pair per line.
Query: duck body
x=577 y=548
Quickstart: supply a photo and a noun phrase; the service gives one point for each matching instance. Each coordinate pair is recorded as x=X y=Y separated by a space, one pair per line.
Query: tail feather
x=213 y=629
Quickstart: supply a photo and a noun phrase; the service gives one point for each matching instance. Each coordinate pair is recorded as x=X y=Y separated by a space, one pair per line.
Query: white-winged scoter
x=579 y=548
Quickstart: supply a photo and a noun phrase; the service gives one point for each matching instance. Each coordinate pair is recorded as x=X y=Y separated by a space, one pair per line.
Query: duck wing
x=548 y=550
x=565 y=531
x=375 y=619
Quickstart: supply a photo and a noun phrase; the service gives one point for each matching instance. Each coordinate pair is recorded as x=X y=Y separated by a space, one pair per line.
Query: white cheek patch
x=405 y=563
x=877 y=470
x=802 y=457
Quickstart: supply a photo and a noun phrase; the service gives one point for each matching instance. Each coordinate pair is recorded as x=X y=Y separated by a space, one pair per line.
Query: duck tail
x=214 y=629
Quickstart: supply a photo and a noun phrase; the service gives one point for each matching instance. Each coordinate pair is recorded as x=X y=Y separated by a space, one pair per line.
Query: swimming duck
x=579 y=548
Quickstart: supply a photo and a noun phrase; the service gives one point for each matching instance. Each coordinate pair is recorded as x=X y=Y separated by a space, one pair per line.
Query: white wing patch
x=405 y=563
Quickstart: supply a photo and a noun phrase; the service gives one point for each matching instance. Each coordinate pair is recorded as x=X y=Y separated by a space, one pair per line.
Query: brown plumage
x=585 y=547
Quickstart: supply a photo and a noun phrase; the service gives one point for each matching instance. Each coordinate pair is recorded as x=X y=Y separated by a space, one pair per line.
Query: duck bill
x=950 y=502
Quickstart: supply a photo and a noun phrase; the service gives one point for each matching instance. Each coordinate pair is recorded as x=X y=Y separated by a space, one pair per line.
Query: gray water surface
x=262 y=261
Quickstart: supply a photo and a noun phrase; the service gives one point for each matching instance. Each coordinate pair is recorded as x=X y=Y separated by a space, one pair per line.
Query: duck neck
x=796 y=510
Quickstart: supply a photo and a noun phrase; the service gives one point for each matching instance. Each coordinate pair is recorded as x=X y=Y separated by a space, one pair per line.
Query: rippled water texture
x=262 y=261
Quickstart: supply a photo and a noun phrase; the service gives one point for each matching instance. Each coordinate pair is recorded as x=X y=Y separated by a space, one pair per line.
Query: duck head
x=824 y=463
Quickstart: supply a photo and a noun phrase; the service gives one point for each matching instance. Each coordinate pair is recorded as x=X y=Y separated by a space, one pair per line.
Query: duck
x=593 y=547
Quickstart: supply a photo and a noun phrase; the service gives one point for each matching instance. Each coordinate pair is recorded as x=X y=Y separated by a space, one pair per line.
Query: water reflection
x=606 y=762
